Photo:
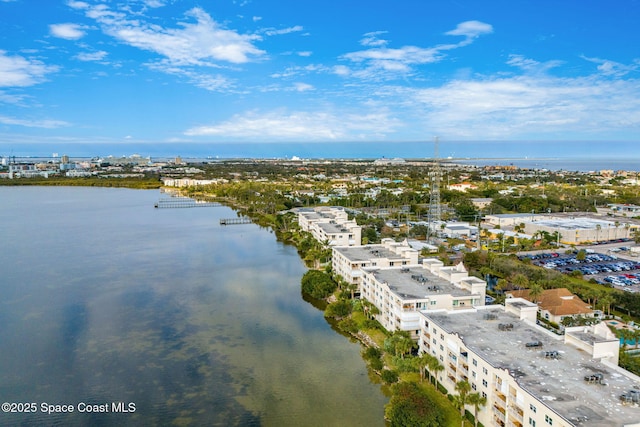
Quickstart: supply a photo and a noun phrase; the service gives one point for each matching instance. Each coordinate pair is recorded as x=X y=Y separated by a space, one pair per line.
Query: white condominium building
x=400 y=293
x=330 y=224
x=529 y=376
x=347 y=261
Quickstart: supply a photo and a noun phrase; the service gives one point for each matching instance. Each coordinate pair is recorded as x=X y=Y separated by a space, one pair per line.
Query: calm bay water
x=106 y=299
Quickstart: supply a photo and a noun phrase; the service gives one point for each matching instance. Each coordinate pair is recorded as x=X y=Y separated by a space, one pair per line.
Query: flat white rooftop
x=575 y=223
x=558 y=382
x=366 y=253
x=411 y=283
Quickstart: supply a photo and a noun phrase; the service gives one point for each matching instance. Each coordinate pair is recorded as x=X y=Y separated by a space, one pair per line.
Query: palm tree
x=477 y=400
x=606 y=301
x=535 y=291
x=520 y=281
x=422 y=362
x=463 y=388
x=434 y=366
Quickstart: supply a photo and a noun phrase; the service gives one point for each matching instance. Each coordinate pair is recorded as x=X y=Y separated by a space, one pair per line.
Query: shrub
x=339 y=309
x=410 y=406
x=389 y=376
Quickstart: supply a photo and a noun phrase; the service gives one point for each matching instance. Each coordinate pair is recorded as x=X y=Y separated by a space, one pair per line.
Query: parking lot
x=606 y=269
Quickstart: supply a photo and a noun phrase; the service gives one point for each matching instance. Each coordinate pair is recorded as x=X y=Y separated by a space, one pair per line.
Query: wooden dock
x=183 y=202
x=235 y=221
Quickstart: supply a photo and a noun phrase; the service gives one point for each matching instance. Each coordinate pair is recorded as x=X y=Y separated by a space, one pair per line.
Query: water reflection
x=108 y=300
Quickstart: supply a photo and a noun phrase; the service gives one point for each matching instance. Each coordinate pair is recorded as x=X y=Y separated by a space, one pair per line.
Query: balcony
x=516 y=414
x=499 y=415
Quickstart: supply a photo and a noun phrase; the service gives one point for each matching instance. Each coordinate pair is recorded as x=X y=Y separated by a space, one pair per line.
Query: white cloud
x=7 y=98
x=531 y=65
x=301 y=126
x=200 y=43
x=77 y=4
x=514 y=107
x=256 y=18
x=47 y=124
x=91 y=56
x=214 y=83
x=471 y=29
x=372 y=40
x=382 y=62
x=274 y=32
x=153 y=3
x=302 y=87
x=305 y=53
x=67 y=31
x=612 y=68
x=21 y=72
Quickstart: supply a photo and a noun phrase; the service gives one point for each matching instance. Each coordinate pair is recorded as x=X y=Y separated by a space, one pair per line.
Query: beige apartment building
x=529 y=376
x=330 y=224
x=347 y=261
x=401 y=293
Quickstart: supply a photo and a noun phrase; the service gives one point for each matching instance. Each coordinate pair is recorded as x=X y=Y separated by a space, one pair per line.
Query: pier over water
x=184 y=202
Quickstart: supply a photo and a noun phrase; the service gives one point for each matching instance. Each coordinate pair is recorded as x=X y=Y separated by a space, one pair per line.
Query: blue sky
x=181 y=71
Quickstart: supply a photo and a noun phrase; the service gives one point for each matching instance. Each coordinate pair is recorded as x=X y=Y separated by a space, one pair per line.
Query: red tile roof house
x=556 y=304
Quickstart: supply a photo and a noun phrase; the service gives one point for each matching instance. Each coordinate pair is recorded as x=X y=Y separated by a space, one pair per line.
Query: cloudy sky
x=308 y=71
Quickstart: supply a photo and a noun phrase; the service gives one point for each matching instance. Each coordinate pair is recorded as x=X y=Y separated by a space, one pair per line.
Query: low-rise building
x=530 y=376
x=400 y=293
x=556 y=304
x=576 y=230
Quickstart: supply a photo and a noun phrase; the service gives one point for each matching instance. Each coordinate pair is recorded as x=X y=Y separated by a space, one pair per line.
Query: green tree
x=422 y=362
x=435 y=367
x=535 y=290
x=520 y=281
x=338 y=309
x=463 y=388
x=477 y=400
x=399 y=343
x=410 y=406
x=318 y=284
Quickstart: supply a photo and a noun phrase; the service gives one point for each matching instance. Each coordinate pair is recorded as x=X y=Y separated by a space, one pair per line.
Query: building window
x=434 y=340
x=533 y=408
x=484 y=394
x=484 y=371
x=473 y=386
x=441 y=336
x=475 y=362
x=484 y=383
x=433 y=303
x=473 y=374
x=426 y=324
x=548 y=419
x=532 y=422
x=434 y=330
x=441 y=347
x=417 y=331
x=455 y=303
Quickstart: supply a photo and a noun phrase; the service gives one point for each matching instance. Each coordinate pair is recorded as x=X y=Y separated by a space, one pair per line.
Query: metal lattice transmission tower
x=435 y=209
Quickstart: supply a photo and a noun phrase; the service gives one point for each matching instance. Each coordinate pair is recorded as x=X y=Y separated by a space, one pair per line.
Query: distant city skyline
x=526 y=78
